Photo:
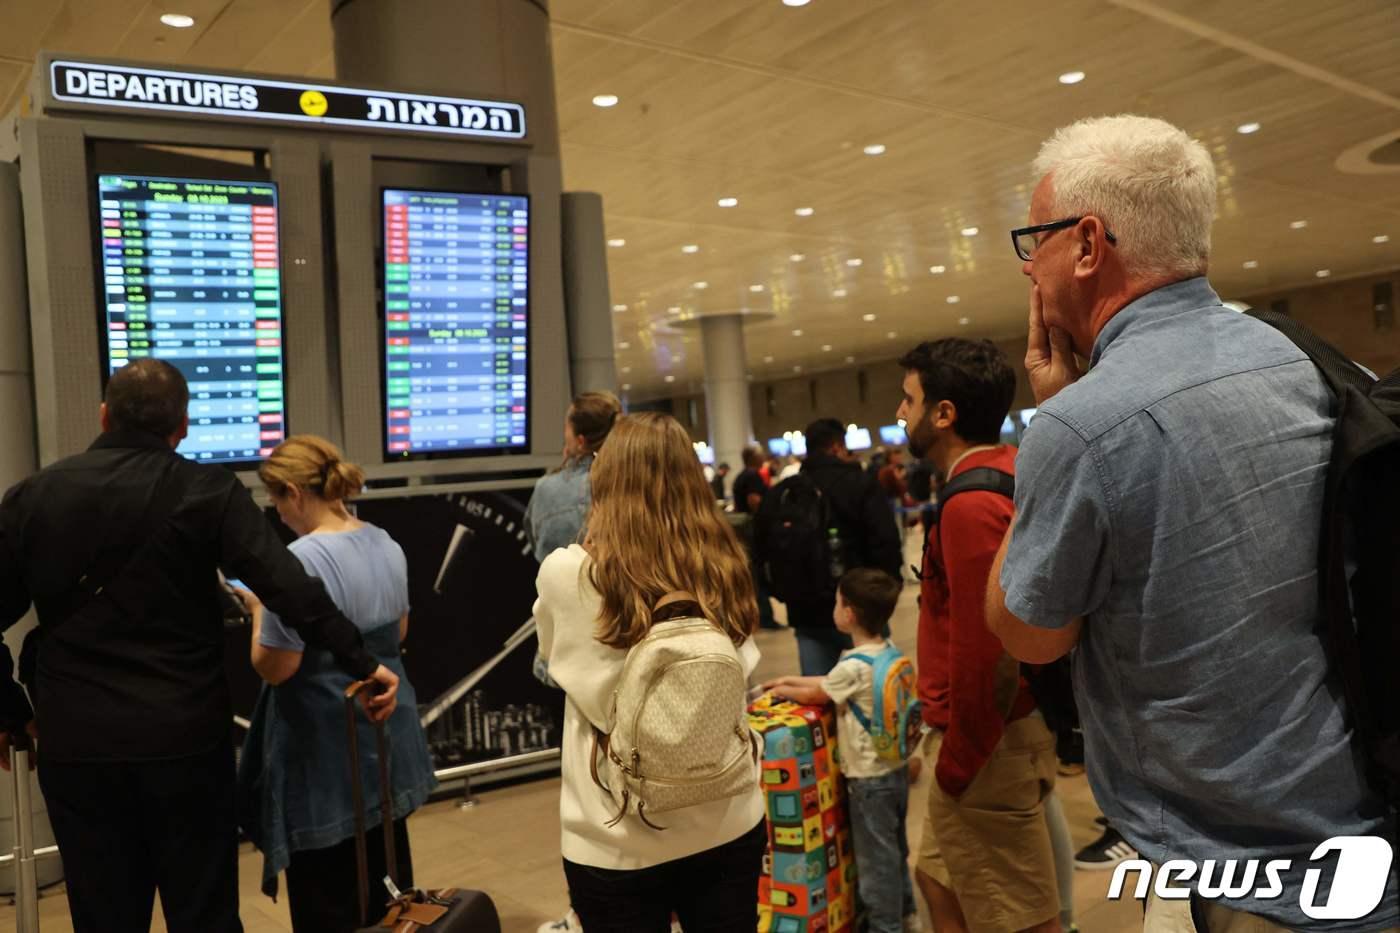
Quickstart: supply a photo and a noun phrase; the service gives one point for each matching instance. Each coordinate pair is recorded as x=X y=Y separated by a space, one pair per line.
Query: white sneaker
x=569 y=923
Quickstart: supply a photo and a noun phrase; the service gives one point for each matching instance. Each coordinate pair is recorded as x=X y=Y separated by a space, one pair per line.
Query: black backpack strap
x=977 y=479
x=1339 y=371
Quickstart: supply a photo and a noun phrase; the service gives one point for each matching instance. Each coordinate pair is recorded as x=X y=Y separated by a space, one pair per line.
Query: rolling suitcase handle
x=386 y=803
x=26 y=876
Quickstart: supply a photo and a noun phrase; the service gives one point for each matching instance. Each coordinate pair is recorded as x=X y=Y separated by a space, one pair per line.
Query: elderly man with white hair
x=1168 y=509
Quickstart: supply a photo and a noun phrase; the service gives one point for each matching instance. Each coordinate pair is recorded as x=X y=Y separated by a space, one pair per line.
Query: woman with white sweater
x=653 y=531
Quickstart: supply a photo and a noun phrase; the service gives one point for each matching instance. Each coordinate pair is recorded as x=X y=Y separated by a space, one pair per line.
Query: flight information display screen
x=190 y=276
x=456 y=323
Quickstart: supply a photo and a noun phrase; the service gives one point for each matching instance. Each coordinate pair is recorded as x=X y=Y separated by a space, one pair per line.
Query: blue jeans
x=879 y=807
x=819 y=648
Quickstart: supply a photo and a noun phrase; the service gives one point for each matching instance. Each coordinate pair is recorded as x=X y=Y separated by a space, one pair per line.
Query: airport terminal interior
x=422 y=228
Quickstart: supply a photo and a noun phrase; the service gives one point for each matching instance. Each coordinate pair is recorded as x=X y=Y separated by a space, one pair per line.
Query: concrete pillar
x=587 y=306
x=727 y=389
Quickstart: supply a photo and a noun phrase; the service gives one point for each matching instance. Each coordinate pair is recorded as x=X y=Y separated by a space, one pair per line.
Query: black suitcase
x=448 y=910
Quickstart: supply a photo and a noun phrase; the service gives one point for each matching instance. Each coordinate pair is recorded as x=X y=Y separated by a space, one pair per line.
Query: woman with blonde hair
x=559 y=505
x=295 y=797
x=653 y=532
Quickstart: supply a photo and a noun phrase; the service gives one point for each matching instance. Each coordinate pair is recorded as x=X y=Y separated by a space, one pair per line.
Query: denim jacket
x=558 y=508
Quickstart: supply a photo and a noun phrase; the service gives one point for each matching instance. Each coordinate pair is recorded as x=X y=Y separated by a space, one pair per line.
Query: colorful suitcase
x=809 y=874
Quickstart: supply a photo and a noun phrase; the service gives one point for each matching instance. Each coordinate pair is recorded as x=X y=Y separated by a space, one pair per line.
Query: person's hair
x=592 y=415
x=147 y=395
x=753 y=457
x=722 y=466
x=824 y=434
x=1149 y=182
x=653 y=529
x=313 y=465
x=972 y=374
x=873 y=595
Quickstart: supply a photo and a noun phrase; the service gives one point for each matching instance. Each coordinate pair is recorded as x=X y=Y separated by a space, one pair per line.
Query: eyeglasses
x=1025 y=242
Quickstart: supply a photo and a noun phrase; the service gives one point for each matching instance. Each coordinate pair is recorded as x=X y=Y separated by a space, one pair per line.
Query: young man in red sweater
x=985 y=863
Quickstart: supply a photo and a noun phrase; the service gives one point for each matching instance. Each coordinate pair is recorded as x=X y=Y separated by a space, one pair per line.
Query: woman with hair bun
x=559 y=505
x=295 y=795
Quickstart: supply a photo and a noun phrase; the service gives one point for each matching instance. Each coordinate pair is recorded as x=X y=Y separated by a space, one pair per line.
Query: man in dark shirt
x=865 y=526
x=117 y=550
x=717 y=484
x=749 y=486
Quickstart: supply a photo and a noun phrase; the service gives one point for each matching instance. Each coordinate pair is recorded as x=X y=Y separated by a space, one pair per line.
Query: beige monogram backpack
x=678 y=733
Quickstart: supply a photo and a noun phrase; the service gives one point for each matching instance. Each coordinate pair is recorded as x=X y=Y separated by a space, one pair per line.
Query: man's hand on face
x=1050 y=361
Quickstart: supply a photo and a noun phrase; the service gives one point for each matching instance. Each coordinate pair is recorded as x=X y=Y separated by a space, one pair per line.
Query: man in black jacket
x=117 y=550
x=865 y=526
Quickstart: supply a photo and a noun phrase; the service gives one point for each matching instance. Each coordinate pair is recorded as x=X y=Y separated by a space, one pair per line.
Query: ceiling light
x=1251 y=264
x=850 y=359
x=617 y=242
x=605 y=100
x=901 y=422
x=701 y=286
x=964 y=321
x=797 y=257
x=674 y=309
x=938 y=270
x=853 y=263
x=755 y=288
x=1380 y=238
x=1071 y=77
x=804 y=212
x=690 y=248
x=875 y=149
x=868 y=318
x=626 y=386
x=670 y=378
x=852 y=426
x=177 y=20
x=796 y=2
x=624 y=345
x=797 y=333
x=892 y=335
x=797 y=369
x=619 y=308
x=1298 y=224
x=826 y=348
x=626 y=370
x=1323 y=273
x=970 y=231
x=728 y=202
x=1244 y=129
x=838 y=293
x=768 y=359
x=953 y=299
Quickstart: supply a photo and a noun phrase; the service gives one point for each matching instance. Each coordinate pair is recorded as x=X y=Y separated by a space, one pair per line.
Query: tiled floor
x=508 y=846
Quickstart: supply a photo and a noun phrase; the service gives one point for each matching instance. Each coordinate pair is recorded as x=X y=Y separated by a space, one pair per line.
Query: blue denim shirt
x=1173 y=498
x=558 y=508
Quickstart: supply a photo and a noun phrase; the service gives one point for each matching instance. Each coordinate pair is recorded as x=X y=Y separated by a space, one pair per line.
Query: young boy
x=878 y=790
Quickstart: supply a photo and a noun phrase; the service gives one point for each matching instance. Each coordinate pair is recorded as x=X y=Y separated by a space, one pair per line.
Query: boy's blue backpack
x=896 y=721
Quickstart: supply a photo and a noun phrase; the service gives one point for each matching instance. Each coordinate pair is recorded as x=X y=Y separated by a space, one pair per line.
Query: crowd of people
x=1151 y=523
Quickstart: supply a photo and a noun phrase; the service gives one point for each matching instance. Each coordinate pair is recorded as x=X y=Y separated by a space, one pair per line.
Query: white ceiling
x=774 y=105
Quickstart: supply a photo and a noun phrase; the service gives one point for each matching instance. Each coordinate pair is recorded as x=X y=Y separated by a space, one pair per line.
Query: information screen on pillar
x=190 y=276
x=456 y=323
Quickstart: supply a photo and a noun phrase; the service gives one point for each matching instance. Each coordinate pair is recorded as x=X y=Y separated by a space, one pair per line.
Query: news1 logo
x=1358 y=884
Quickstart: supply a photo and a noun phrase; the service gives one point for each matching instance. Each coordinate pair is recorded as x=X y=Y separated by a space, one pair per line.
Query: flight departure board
x=190 y=276
x=456 y=323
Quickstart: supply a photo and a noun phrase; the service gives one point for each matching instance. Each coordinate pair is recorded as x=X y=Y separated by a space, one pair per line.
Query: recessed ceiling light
x=674 y=309
x=826 y=348
x=768 y=359
x=626 y=386
x=1323 y=273
x=755 y=288
x=177 y=20
x=838 y=293
x=867 y=318
x=797 y=257
x=1071 y=77
x=728 y=202
x=690 y=248
x=623 y=345
x=1244 y=129
x=850 y=359
x=617 y=241
x=1251 y=264
x=797 y=333
x=626 y=370
x=853 y=263
x=701 y=286
x=796 y=2
x=804 y=212
x=875 y=149
x=619 y=308
x=1298 y=224
x=605 y=100
x=797 y=369
x=964 y=321
x=670 y=378
x=1380 y=238
x=892 y=335
x=970 y=231
x=952 y=299
x=938 y=270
